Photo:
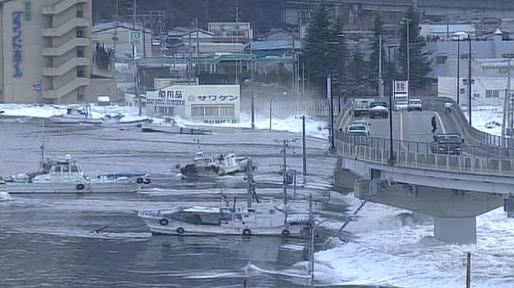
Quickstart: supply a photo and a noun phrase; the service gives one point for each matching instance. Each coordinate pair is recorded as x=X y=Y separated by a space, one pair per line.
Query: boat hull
x=179 y=228
x=68 y=188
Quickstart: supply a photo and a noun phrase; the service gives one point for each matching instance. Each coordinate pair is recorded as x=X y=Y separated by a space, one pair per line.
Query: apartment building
x=46 y=52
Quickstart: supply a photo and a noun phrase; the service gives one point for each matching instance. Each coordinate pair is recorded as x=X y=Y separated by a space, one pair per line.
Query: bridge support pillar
x=459 y=230
x=454 y=211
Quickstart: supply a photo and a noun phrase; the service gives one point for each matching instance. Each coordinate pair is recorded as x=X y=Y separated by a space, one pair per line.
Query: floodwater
x=50 y=240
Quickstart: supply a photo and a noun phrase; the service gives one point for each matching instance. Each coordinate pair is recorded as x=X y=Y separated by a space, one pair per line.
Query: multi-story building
x=46 y=53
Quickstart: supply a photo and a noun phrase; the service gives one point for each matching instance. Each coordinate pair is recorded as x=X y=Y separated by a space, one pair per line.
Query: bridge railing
x=471 y=159
x=478 y=137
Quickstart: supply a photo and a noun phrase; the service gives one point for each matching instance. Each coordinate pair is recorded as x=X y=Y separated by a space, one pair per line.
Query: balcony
x=66 y=47
x=61 y=7
x=66 y=89
x=67 y=66
x=65 y=28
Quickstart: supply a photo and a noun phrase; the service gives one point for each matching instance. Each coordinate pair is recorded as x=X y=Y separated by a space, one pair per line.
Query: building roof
x=438 y=29
x=274 y=45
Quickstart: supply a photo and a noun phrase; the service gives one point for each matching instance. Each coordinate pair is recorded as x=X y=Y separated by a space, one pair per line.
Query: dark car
x=378 y=110
x=450 y=143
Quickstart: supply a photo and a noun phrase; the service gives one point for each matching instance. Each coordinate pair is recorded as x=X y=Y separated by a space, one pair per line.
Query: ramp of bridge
x=486 y=163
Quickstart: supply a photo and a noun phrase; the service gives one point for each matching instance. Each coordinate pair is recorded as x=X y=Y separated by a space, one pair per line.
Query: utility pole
x=311 y=246
x=458 y=70
x=468 y=270
x=284 y=170
x=331 y=109
x=237 y=39
x=469 y=80
x=407 y=22
x=380 y=80
x=136 y=73
x=304 y=149
x=252 y=68
x=391 y=91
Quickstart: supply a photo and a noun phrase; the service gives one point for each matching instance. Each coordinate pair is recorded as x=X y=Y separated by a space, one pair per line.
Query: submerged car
x=359 y=130
x=450 y=143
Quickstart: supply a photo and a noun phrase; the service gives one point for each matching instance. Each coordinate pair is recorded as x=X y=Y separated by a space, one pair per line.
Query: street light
x=459 y=36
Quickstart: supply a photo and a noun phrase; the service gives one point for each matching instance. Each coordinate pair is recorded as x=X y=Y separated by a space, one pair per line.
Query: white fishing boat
x=261 y=218
x=83 y=116
x=4 y=196
x=205 y=165
x=66 y=176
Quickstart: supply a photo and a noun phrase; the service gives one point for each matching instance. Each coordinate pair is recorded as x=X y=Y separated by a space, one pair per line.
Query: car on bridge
x=415 y=104
x=449 y=143
x=360 y=107
x=358 y=130
x=378 y=110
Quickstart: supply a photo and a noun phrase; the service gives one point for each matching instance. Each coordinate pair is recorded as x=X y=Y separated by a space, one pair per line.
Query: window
x=80 y=52
x=197 y=111
x=74 y=168
x=462 y=91
x=492 y=93
x=227 y=110
x=211 y=111
x=81 y=34
x=81 y=73
x=80 y=14
x=465 y=81
x=476 y=95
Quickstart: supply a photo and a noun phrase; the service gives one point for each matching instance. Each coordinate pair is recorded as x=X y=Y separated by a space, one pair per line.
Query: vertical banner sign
x=27 y=6
x=17 y=45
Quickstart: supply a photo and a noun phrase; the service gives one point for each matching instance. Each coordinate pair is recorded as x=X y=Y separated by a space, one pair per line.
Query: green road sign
x=135 y=37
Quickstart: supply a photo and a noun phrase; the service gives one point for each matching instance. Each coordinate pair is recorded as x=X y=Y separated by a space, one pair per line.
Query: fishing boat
x=205 y=165
x=4 y=196
x=66 y=176
x=261 y=218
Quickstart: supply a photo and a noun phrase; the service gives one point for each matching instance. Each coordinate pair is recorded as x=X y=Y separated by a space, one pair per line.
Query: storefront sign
x=217 y=98
x=17 y=44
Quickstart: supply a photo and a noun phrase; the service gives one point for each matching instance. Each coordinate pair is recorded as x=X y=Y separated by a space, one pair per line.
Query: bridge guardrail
x=472 y=160
x=479 y=137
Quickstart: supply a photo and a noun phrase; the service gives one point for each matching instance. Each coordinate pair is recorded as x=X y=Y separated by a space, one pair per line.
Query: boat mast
x=251 y=184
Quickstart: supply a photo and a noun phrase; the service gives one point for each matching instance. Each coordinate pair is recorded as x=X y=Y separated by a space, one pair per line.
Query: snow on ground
x=487 y=118
x=387 y=253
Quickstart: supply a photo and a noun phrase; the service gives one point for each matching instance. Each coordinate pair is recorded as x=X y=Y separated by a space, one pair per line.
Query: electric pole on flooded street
x=287 y=177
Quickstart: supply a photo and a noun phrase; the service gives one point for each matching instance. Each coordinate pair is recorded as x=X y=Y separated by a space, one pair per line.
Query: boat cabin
x=62 y=170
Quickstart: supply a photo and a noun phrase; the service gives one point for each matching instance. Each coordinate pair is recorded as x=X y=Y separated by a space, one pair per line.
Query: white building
x=202 y=103
x=110 y=35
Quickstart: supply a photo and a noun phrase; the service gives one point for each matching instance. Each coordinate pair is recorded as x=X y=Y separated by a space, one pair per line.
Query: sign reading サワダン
x=204 y=103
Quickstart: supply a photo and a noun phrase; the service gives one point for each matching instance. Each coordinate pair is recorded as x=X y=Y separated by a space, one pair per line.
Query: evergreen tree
x=376 y=49
x=319 y=47
x=356 y=76
x=419 y=63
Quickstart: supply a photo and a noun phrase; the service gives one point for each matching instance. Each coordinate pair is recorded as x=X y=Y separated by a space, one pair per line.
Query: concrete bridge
x=454 y=189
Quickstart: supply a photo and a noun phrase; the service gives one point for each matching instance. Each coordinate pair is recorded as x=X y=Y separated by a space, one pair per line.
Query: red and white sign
x=401 y=87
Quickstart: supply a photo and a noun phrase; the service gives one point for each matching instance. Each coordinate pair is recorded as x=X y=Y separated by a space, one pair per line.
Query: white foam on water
x=387 y=253
x=4 y=196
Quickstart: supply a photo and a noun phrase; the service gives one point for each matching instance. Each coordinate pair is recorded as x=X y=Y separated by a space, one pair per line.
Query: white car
x=360 y=130
x=415 y=104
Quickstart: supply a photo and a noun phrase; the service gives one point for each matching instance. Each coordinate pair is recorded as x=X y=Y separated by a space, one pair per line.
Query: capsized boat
x=205 y=165
x=260 y=218
x=66 y=176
